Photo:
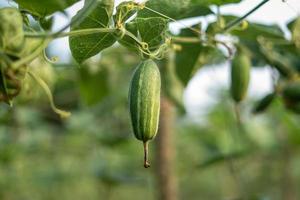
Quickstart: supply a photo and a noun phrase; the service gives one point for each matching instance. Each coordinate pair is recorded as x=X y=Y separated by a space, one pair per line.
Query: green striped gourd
x=144 y=103
x=240 y=76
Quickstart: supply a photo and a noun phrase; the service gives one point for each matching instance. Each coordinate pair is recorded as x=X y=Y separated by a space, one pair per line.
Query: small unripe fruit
x=144 y=103
x=240 y=76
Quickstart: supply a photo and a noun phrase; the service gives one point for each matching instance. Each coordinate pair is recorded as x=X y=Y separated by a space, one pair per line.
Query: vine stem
x=74 y=22
x=237 y=113
x=49 y=38
x=5 y=57
x=198 y=40
x=186 y=39
x=134 y=38
x=71 y=33
x=146 y=163
x=31 y=56
x=63 y=114
x=237 y=21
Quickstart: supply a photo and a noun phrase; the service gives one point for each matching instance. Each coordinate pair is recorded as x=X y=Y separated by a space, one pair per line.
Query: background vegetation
x=94 y=155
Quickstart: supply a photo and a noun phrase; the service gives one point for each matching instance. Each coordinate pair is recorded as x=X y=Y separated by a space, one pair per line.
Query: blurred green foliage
x=93 y=154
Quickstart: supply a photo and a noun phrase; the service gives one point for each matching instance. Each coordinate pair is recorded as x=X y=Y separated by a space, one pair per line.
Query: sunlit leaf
x=86 y=46
x=46 y=7
x=152 y=30
x=176 y=9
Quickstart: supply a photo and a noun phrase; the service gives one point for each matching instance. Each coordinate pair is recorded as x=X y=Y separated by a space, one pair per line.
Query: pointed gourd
x=144 y=102
x=240 y=76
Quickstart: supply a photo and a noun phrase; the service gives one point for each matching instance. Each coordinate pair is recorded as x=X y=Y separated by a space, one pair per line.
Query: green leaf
x=109 y=6
x=215 y=2
x=11 y=30
x=128 y=41
x=282 y=55
x=171 y=85
x=46 y=7
x=46 y=23
x=124 y=11
x=249 y=36
x=273 y=58
x=86 y=46
x=294 y=27
x=93 y=84
x=251 y=32
x=176 y=9
x=186 y=61
x=254 y=30
x=195 y=11
x=192 y=56
x=152 y=30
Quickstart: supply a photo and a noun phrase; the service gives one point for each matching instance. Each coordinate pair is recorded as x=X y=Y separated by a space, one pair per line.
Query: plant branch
x=198 y=40
x=5 y=57
x=63 y=114
x=237 y=21
x=77 y=19
x=186 y=39
x=32 y=56
x=74 y=22
x=72 y=33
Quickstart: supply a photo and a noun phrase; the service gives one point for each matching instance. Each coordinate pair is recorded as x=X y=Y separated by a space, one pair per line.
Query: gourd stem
x=237 y=21
x=146 y=163
x=238 y=113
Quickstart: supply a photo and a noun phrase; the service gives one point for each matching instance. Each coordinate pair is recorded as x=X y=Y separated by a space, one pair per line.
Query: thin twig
x=174 y=20
x=87 y=31
x=63 y=114
x=32 y=56
x=237 y=21
x=186 y=39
